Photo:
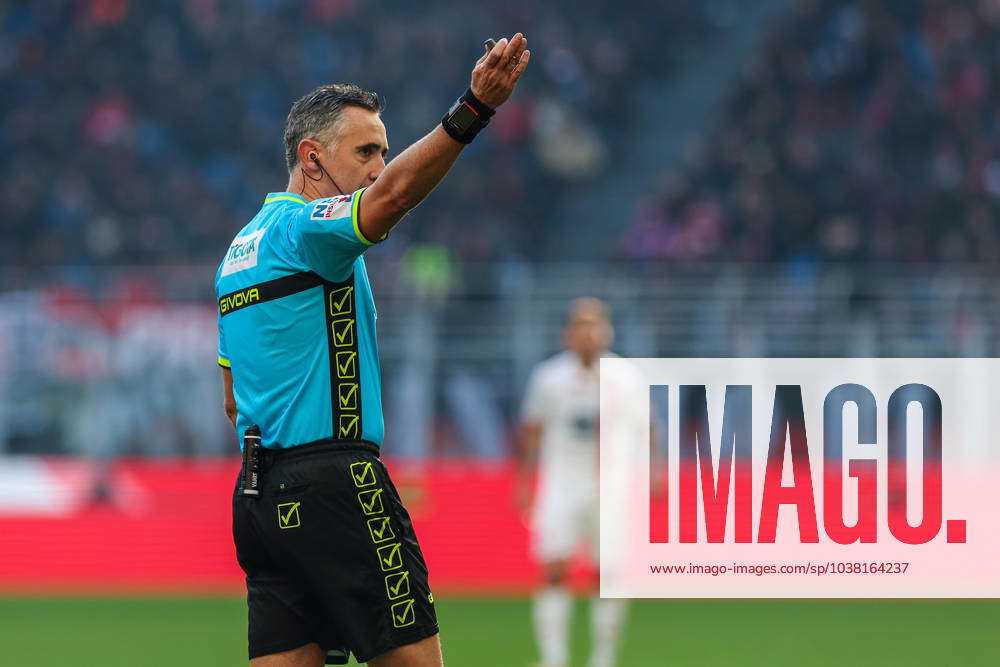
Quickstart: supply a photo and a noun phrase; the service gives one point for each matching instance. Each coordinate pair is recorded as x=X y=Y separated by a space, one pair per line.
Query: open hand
x=497 y=71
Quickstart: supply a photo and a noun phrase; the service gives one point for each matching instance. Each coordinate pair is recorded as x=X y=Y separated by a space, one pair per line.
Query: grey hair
x=318 y=112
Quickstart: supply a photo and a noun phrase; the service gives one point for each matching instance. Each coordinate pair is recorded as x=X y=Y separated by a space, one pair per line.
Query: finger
x=487 y=47
x=522 y=45
x=494 y=55
x=510 y=48
x=521 y=65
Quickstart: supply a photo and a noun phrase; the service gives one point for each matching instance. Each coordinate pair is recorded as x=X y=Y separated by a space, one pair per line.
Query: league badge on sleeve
x=331 y=208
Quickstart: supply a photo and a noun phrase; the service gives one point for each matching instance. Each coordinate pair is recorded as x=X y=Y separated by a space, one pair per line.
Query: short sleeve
x=325 y=235
x=536 y=399
x=223 y=355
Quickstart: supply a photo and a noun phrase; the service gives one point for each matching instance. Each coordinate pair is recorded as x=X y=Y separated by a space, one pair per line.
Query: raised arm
x=411 y=176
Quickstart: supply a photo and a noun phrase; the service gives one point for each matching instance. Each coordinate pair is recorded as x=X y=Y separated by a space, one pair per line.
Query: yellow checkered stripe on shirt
x=345 y=381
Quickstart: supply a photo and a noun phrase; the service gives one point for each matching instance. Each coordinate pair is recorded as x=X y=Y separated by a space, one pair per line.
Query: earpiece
x=314 y=157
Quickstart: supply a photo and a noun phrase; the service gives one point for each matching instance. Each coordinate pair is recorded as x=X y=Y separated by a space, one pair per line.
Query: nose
x=378 y=170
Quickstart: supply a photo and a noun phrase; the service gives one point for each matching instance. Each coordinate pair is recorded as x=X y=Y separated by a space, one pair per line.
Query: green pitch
x=112 y=632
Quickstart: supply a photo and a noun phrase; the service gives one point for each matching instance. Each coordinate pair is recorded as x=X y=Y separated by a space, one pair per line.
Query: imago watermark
x=800 y=477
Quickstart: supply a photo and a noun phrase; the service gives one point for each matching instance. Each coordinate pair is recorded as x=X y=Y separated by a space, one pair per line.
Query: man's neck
x=309 y=189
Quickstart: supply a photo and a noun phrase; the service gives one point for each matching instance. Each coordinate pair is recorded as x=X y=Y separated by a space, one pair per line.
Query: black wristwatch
x=466 y=117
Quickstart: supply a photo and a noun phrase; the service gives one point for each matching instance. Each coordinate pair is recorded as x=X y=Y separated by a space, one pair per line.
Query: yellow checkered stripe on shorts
x=387 y=546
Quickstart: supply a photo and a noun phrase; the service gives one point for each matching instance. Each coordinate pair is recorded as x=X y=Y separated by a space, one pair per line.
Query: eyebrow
x=375 y=147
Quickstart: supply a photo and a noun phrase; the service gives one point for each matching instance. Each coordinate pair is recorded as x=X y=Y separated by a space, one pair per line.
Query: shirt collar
x=284 y=196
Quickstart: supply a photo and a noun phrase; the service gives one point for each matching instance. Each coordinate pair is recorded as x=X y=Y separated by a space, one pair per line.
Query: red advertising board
x=166 y=526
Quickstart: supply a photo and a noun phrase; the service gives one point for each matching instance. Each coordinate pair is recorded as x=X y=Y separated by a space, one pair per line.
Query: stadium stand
x=168 y=125
x=861 y=132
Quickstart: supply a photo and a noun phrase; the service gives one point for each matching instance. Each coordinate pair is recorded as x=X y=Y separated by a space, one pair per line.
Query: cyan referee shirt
x=297 y=323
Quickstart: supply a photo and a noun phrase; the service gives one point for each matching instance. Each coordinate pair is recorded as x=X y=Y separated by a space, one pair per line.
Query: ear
x=308 y=149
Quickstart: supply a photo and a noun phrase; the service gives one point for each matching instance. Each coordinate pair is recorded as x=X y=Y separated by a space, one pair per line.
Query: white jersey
x=564 y=398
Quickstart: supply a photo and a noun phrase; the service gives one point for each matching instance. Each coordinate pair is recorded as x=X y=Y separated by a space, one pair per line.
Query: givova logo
x=816 y=473
x=239 y=299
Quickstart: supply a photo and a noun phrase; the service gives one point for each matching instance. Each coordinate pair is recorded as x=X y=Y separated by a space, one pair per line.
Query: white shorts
x=565 y=519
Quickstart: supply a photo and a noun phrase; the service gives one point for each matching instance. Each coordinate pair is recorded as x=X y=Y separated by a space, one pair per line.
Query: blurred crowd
x=861 y=131
x=139 y=133
x=145 y=134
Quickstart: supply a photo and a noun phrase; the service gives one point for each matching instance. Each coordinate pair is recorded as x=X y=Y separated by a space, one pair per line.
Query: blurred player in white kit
x=560 y=436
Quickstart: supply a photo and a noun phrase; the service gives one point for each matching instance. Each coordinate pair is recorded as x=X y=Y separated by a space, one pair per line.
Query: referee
x=332 y=563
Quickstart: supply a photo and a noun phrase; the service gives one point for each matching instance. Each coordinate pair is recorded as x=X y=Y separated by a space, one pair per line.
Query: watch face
x=463 y=118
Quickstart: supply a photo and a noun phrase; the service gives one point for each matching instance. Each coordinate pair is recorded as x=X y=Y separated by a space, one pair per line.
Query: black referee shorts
x=330 y=555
